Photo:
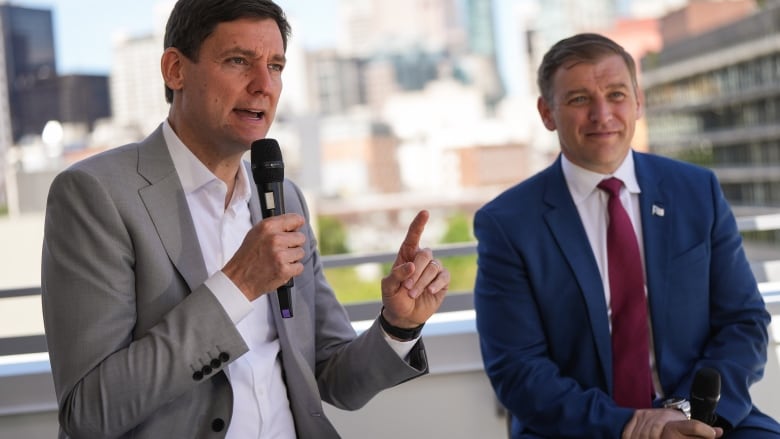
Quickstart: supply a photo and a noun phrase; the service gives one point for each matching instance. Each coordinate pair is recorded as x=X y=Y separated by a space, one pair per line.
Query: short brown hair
x=192 y=21
x=585 y=47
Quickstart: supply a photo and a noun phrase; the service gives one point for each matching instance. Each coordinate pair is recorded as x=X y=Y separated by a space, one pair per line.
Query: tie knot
x=611 y=185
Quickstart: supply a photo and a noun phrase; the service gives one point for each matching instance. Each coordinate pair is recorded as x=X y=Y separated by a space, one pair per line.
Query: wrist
x=399 y=333
x=681 y=404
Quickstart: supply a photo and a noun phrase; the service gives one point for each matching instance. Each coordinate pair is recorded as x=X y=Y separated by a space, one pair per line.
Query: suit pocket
x=689 y=274
x=690 y=256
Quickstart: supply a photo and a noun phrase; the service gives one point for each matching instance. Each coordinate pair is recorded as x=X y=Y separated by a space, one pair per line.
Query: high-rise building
x=481 y=64
x=374 y=26
x=26 y=56
x=137 y=88
x=714 y=99
x=335 y=82
x=27 y=38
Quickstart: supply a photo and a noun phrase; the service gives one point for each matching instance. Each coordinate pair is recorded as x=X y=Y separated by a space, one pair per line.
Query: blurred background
x=387 y=108
x=390 y=108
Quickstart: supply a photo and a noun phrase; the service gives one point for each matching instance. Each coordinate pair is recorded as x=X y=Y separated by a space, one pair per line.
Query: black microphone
x=705 y=393
x=268 y=173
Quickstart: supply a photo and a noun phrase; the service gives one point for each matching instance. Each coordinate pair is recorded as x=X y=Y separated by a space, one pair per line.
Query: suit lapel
x=167 y=207
x=574 y=245
x=655 y=205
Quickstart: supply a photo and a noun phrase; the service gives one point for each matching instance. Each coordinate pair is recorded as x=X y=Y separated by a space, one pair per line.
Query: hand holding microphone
x=268 y=173
x=704 y=397
x=705 y=394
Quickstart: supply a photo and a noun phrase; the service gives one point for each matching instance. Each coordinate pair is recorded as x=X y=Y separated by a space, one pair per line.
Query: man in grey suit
x=157 y=265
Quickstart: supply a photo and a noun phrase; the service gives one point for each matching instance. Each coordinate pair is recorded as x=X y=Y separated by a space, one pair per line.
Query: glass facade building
x=28 y=45
x=714 y=99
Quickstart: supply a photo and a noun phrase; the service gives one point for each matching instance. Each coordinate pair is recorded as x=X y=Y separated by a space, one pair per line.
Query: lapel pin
x=658 y=210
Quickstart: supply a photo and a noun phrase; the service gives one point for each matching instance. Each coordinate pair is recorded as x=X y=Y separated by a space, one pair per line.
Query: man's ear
x=546 y=113
x=172 y=65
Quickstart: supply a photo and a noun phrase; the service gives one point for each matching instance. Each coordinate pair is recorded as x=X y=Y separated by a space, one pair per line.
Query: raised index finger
x=412 y=240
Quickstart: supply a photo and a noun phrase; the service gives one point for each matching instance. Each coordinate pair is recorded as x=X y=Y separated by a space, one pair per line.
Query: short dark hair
x=192 y=21
x=585 y=47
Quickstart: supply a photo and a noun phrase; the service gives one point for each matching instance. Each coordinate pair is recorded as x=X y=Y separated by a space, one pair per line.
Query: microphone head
x=705 y=394
x=267 y=164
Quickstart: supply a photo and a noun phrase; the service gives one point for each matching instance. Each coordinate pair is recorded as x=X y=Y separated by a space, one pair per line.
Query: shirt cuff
x=233 y=301
x=402 y=348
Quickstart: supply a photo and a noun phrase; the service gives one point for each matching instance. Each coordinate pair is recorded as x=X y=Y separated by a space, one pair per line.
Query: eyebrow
x=613 y=86
x=279 y=58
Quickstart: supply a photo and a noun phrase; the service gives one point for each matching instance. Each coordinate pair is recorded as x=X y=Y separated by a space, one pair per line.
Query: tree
x=332 y=236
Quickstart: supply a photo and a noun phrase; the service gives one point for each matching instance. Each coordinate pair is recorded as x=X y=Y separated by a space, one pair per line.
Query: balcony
x=454 y=401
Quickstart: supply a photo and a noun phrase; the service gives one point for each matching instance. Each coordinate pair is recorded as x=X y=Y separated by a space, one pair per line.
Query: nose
x=600 y=110
x=260 y=80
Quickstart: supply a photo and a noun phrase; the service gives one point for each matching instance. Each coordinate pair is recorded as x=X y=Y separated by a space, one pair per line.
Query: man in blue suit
x=542 y=290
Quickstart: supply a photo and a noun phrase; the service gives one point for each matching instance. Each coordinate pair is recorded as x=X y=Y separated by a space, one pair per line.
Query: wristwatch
x=680 y=404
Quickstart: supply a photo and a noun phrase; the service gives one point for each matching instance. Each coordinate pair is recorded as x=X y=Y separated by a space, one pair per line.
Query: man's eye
x=578 y=100
x=275 y=67
x=239 y=61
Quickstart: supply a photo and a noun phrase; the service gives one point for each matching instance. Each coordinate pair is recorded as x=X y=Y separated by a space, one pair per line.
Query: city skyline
x=84 y=30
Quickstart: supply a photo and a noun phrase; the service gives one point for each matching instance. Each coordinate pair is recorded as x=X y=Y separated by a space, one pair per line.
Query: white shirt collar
x=583 y=182
x=193 y=174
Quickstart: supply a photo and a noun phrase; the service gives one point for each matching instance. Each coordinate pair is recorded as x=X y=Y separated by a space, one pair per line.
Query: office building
x=714 y=99
x=28 y=59
x=137 y=88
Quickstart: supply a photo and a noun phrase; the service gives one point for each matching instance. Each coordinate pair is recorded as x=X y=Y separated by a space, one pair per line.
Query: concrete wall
x=455 y=401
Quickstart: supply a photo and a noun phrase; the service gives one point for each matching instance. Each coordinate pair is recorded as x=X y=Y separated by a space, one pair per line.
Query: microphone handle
x=271 y=198
x=703 y=409
x=272 y=204
x=285 y=299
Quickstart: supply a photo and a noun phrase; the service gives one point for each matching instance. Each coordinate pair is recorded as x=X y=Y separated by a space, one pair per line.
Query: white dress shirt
x=260 y=405
x=591 y=204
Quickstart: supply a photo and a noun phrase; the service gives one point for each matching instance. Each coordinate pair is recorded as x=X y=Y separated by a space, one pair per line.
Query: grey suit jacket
x=138 y=344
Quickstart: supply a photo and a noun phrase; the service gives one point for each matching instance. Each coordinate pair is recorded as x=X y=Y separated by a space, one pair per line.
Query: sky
x=84 y=29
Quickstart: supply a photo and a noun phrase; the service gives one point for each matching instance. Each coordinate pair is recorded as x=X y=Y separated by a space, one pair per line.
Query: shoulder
x=525 y=196
x=149 y=157
x=670 y=168
x=106 y=161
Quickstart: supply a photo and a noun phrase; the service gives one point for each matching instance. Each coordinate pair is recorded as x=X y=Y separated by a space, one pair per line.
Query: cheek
x=277 y=88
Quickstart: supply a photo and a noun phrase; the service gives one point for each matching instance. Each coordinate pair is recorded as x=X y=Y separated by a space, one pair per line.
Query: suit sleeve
x=735 y=342
x=516 y=349
x=349 y=369
x=107 y=378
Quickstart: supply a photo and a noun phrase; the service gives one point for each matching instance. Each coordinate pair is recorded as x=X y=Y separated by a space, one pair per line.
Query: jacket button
x=224 y=357
x=217 y=424
x=215 y=363
x=197 y=376
x=206 y=370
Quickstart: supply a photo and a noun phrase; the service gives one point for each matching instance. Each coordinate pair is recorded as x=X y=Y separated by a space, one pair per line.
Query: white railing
x=455 y=398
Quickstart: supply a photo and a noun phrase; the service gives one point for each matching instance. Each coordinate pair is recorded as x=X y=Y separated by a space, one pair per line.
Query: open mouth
x=253 y=114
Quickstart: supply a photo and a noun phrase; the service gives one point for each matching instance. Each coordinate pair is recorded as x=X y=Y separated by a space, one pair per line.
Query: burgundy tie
x=630 y=333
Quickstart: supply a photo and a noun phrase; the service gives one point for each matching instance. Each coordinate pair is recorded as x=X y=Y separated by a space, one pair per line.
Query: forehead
x=248 y=33
x=607 y=71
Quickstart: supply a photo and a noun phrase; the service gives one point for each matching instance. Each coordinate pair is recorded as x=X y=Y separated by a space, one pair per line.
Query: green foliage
x=351 y=287
x=463 y=269
x=332 y=237
x=458 y=229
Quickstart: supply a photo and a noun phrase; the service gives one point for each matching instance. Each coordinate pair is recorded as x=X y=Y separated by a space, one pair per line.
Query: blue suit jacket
x=542 y=313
